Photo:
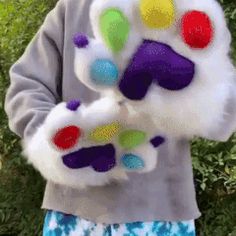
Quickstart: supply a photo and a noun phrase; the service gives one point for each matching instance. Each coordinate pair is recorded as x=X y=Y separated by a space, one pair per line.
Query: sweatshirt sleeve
x=35 y=79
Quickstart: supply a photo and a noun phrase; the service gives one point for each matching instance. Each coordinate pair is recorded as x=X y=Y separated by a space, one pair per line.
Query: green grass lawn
x=21 y=187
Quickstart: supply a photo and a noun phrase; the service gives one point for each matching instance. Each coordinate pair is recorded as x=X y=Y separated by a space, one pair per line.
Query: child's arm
x=35 y=77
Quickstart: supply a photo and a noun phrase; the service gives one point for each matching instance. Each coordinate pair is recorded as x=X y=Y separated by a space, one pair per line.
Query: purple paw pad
x=104 y=163
x=78 y=159
x=80 y=40
x=73 y=105
x=158 y=63
x=135 y=86
x=100 y=158
x=157 y=141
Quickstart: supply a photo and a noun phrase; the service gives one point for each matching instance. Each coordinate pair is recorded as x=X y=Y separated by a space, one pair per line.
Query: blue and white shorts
x=59 y=224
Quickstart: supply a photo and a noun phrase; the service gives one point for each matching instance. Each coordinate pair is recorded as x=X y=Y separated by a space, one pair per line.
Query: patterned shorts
x=59 y=224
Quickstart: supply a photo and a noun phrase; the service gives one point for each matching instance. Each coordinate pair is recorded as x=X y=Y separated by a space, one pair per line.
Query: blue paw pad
x=132 y=162
x=104 y=72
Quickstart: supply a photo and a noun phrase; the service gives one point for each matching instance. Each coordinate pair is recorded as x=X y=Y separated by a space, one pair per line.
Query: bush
x=21 y=188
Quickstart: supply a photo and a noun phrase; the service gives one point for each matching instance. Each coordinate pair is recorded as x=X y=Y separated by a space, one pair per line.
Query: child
x=161 y=202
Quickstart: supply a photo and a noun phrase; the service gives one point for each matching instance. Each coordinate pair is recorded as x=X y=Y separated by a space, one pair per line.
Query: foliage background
x=21 y=187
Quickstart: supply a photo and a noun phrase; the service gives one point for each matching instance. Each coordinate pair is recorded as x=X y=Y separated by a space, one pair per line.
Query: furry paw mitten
x=167 y=59
x=81 y=146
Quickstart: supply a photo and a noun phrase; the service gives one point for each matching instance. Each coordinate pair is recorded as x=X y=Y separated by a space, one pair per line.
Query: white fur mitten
x=167 y=59
x=82 y=146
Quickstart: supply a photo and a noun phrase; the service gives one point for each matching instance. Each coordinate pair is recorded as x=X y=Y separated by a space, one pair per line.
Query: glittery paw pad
x=105 y=146
x=100 y=158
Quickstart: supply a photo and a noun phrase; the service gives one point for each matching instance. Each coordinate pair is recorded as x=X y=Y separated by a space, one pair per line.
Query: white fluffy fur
x=210 y=7
x=199 y=108
x=48 y=161
x=47 y=158
x=150 y=156
x=84 y=57
x=100 y=112
x=196 y=110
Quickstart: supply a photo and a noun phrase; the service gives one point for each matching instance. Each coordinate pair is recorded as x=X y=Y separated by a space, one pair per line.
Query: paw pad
x=81 y=40
x=166 y=68
x=132 y=162
x=105 y=133
x=157 y=141
x=115 y=29
x=100 y=158
x=131 y=138
x=157 y=13
x=105 y=159
x=73 y=105
x=67 y=137
x=104 y=72
x=197 y=29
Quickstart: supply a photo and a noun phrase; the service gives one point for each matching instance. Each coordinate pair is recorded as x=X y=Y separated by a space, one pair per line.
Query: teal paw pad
x=132 y=162
x=104 y=72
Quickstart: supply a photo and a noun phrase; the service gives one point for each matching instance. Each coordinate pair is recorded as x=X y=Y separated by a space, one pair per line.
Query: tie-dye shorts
x=59 y=224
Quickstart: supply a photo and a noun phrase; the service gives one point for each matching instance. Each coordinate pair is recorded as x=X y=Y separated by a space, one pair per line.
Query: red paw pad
x=67 y=137
x=197 y=29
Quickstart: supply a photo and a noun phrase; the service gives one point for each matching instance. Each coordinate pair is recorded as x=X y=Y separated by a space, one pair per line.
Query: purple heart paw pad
x=100 y=158
x=159 y=63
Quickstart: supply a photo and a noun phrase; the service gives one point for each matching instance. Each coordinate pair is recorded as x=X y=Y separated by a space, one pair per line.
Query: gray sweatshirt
x=43 y=77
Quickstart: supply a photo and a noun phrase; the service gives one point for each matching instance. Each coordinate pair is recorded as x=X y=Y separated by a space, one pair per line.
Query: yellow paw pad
x=105 y=133
x=157 y=13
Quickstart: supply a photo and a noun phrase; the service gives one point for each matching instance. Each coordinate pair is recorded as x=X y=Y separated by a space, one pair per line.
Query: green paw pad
x=130 y=139
x=115 y=29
